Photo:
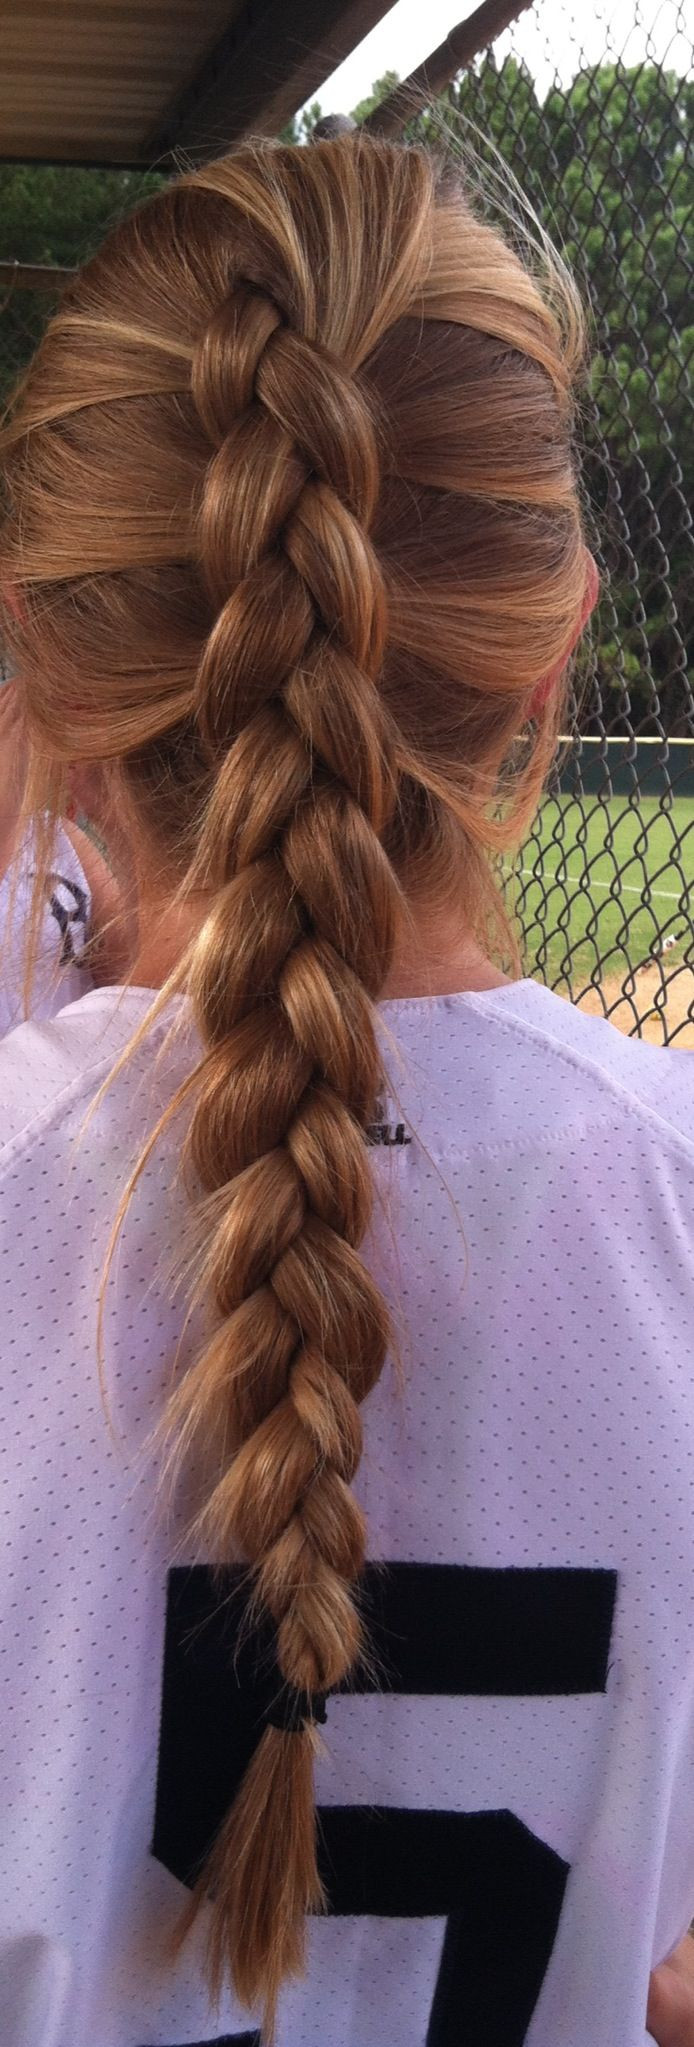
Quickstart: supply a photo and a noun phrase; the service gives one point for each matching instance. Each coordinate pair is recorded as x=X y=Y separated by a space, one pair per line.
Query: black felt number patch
x=438 y=1630
x=230 y=2040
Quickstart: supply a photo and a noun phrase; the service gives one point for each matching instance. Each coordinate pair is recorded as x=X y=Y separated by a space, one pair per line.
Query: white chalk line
x=667 y=895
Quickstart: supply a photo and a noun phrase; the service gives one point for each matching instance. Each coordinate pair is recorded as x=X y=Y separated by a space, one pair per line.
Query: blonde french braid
x=287 y=967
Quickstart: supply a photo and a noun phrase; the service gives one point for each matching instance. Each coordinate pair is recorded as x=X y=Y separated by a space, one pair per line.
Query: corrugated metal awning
x=123 y=82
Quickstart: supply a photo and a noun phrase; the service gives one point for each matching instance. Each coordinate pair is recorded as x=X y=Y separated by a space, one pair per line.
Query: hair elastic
x=292 y=1710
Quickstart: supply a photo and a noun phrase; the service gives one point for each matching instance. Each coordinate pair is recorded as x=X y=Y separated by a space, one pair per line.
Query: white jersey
x=507 y=1815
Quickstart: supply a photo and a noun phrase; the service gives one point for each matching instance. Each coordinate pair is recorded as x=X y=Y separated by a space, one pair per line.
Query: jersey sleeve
x=61 y=974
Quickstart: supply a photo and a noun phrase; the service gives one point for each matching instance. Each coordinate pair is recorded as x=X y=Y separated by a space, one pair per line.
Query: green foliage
x=301 y=126
x=380 y=90
x=607 y=167
x=52 y=213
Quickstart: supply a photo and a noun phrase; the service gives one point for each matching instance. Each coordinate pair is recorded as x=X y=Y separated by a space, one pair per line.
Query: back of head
x=292 y=515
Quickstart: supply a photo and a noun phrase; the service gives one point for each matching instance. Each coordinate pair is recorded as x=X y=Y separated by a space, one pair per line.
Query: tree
x=301 y=126
x=53 y=214
x=379 y=91
x=606 y=165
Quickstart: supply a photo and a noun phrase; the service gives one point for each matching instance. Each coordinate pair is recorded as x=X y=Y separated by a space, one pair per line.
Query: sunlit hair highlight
x=293 y=514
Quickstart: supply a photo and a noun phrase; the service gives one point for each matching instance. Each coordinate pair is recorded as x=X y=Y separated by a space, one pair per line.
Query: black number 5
x=438 y=1630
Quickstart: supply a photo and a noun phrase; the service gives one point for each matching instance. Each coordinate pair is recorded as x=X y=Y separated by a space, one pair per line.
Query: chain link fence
x=594 y=112
x=593 y=109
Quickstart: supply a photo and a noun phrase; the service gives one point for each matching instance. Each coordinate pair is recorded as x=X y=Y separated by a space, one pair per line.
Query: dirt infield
x=677 y=1005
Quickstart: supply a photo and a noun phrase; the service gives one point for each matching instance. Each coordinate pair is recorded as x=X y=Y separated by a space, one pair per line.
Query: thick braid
x=296 y=289
x=288 y=964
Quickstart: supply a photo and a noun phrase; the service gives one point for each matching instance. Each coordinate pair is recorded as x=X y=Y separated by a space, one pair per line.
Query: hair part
x=292 y=506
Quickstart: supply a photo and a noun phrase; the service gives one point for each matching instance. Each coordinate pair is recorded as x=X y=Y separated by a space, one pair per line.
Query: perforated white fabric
x=535 y=1238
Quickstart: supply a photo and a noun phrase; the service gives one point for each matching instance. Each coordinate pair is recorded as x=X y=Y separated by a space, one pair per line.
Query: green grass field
x=598 y=885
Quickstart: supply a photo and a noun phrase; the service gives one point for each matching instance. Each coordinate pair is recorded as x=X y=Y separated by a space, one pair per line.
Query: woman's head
x=293 y=523
x=283 y=342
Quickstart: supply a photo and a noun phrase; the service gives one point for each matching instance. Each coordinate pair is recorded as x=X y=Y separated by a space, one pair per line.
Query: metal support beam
x=460 y=47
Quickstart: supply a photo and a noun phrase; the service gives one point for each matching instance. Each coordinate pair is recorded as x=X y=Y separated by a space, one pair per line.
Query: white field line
x=668 y=895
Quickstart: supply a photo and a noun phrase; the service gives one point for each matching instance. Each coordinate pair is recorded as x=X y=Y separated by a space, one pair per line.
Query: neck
x=436 y=955
x=439 y=958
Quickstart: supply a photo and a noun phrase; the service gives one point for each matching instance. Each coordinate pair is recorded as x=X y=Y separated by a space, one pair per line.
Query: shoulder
x=51 y=1069
x=519 y=1068
x=583 y=1062
x=46 y=1067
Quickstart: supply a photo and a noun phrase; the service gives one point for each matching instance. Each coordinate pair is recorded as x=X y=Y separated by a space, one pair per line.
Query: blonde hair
x=293 y=519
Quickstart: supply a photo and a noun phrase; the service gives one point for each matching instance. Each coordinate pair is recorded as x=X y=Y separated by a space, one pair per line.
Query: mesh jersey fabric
x=507 y=1813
